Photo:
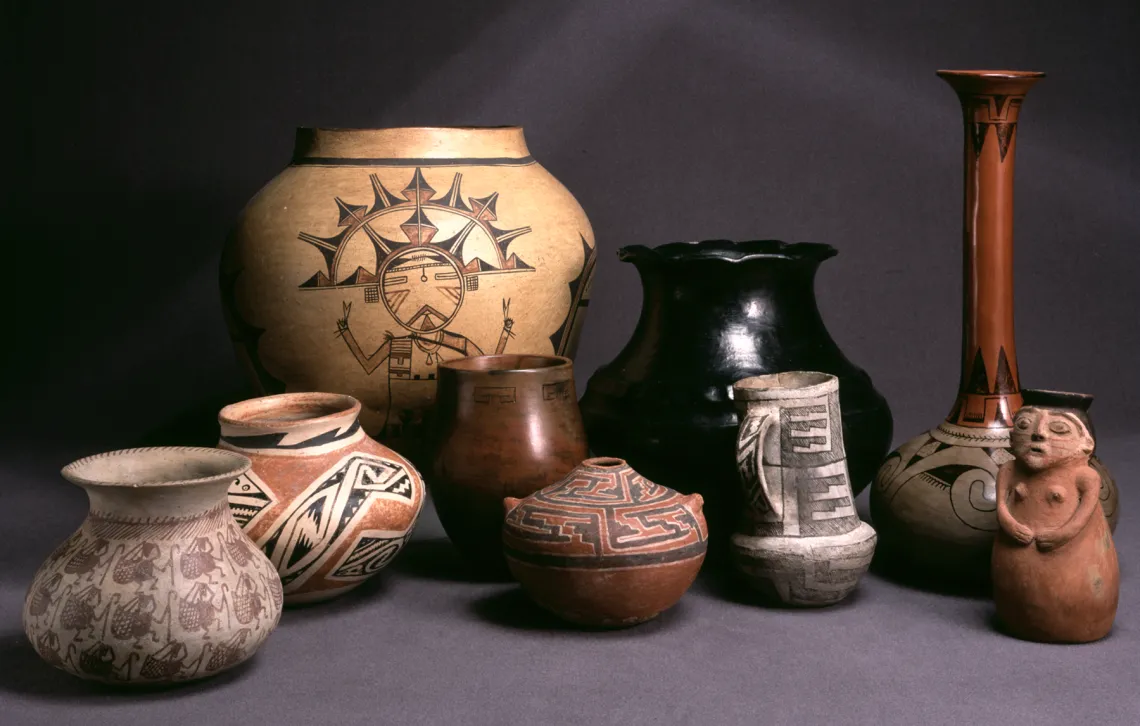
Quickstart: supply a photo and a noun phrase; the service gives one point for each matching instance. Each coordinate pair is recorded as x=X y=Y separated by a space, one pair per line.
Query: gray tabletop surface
x=420 y=644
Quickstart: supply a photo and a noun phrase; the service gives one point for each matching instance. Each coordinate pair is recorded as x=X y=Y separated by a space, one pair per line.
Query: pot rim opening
x=605 y=462
x=156 y=467
x=506 y=363
x=788 y=384
x=729 y=251
x=289 y=410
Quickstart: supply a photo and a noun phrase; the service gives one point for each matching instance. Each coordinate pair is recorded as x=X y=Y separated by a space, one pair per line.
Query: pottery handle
x=509 y=504
x=750 y=460
x=696 y=503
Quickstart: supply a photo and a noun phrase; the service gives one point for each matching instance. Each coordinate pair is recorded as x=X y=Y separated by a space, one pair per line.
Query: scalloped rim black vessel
x=714 y=312
x=728 y=251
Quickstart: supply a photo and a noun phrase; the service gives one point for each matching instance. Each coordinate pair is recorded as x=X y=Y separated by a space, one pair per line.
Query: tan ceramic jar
x=329 y=506
x=378 y=253
x=158 y=584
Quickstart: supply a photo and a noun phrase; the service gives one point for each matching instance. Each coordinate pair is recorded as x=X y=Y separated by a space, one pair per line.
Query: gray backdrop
x=138 y=132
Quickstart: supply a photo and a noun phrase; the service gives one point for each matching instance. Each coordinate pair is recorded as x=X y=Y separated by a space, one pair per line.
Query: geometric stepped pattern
x=604 y=517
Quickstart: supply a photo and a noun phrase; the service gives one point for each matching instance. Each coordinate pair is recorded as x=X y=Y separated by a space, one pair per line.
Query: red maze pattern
x=604 y=518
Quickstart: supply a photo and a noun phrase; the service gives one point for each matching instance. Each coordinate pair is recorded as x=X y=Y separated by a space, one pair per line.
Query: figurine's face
x=1043 y=438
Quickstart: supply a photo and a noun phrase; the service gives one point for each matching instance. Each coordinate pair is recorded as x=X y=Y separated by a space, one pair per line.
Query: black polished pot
x=715 y=312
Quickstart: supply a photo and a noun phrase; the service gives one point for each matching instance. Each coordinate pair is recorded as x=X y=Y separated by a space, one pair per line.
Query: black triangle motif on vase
x=1005 y=137
x=979 y=381
x=1005 y=383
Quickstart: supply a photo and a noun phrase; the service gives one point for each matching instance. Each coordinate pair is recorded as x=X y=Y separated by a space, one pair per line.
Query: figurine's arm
x=451 y=341
x=1005 y=484
x=368 y=362
x=1088 y=487
x=508 y=323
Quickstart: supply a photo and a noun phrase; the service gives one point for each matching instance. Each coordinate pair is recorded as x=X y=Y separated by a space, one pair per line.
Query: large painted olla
x=379 y=253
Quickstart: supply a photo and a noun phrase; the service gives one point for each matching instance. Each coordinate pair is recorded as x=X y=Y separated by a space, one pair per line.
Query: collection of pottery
x=427 y=287
x=934 y=500
x=715 y=312
x=377 y=254
x=508 y=425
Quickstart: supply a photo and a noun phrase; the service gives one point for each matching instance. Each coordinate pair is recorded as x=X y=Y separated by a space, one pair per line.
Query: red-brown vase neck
x=989 y=386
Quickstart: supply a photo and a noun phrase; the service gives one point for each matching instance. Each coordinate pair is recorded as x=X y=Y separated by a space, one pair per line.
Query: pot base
x=607 y=598
x=805 y=571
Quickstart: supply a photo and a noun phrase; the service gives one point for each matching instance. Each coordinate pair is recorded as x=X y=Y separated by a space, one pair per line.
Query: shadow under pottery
x=993 y=623
x=438 y=559
x=728 y=585
x=512 y=608
x=363 y=595
x=23 y=672
x=899 y=573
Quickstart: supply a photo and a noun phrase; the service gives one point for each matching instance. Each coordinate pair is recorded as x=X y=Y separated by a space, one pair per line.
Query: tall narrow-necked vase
x=378 y=253
x=934 y=500
x=715 y=312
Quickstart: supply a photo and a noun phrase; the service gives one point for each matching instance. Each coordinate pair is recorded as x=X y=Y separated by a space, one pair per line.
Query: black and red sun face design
x=422 y=288
x=420 y=255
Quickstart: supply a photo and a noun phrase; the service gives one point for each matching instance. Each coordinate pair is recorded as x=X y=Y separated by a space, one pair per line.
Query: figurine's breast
x=1055 y=496
x=1046 y=500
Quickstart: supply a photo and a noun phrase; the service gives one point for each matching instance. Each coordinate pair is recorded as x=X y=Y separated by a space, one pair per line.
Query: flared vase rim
x=504 y=363
x=968 y=84
x=207 y=465
x=258 y=413
x=726 y=250
x=784 y=385
x=996 y=74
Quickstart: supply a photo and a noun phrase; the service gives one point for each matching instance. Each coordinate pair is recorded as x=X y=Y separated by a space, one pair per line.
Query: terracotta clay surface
x=378 y=253
x=327 y=504
x=715 y=312
x=802 y=542
x=508 y=425
x=934 y=499
x=1055 y=572
x=158 y=584
x=605 y=546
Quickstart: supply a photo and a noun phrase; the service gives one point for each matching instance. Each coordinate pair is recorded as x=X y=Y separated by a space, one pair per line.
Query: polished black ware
x=715 y=312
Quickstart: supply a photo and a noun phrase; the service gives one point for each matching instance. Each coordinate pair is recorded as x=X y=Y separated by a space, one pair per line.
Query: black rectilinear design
x=493 y=394
x=604 y=520
x=273 y=441
x=247 y=499
x=579 y=300
x=318 y=519
x=1001 y=110
x=370 y=555
x=558 y=390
